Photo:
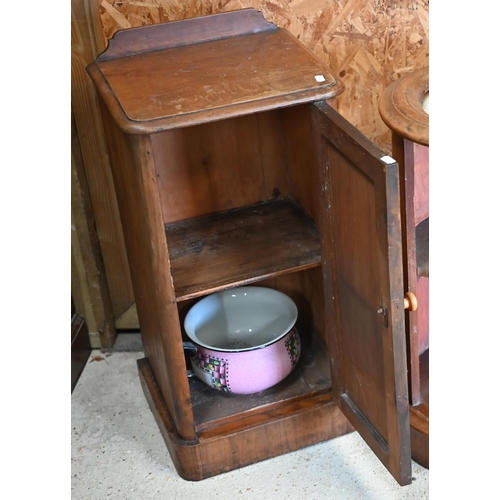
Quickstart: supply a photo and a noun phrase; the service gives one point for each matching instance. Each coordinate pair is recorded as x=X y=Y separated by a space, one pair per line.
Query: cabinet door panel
x=363 y=283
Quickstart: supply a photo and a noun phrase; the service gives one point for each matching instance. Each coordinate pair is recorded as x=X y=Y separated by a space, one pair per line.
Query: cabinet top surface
x=187 y=81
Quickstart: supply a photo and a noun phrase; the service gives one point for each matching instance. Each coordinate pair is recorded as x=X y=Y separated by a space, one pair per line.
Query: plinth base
x=248 y=439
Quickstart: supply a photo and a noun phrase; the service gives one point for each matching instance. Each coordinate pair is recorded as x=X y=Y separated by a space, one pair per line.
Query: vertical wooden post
x=89 y=287
x=87 y=42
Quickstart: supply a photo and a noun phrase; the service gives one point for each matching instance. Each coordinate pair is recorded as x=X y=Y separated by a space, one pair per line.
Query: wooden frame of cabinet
x=230 y=168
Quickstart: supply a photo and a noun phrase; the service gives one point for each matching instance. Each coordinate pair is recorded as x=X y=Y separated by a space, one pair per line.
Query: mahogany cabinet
x=231 y=168
x=404 y=109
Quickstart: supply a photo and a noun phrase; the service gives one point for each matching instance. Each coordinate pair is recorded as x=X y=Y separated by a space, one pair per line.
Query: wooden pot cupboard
x=231 y=168
x=402 y=107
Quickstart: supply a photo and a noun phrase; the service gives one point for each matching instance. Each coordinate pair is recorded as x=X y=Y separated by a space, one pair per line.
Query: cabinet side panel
x=133 y=171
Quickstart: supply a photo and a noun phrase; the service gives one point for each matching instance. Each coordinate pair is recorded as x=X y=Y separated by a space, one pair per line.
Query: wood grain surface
x=369 y=43
x=87 y=40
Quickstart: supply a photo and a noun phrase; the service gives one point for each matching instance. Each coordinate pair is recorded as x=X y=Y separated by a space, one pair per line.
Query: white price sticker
x=387 y=159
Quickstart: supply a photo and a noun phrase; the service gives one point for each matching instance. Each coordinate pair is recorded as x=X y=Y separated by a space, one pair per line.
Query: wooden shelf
x=241 y=246
x=311 y=377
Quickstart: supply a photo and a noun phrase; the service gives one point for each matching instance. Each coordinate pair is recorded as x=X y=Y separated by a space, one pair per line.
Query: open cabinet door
x=360 y=230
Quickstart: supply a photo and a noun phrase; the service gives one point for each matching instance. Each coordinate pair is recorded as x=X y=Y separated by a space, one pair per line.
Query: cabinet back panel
x=233 y=163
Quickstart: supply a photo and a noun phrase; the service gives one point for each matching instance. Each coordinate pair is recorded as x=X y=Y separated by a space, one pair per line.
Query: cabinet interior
x=236 y=162
x=238 y=204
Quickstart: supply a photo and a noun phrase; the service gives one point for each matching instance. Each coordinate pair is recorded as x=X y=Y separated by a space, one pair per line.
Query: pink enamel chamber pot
x=245 y=339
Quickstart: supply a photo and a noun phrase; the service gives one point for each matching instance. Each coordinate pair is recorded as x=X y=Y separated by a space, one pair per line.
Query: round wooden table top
x=402 y=106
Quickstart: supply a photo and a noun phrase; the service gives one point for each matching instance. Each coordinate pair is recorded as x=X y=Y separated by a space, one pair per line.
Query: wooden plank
x=89 y=286
x=241 y=246
x=128 y=320
x=87 y=40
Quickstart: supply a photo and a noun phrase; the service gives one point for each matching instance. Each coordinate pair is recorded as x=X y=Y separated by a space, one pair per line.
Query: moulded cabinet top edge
x=401 y=106
x=204 y=69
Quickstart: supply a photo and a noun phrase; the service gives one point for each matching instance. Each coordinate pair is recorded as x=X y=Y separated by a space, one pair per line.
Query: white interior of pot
x=241 y=319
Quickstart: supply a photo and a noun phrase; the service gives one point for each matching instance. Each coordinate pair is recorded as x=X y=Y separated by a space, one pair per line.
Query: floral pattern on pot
x=216 y=368
x=293 y=347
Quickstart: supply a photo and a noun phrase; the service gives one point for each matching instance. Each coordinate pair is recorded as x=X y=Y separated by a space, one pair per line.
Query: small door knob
x=410 y=301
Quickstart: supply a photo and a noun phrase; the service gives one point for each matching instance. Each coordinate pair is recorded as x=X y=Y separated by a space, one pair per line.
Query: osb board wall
x=369 y=43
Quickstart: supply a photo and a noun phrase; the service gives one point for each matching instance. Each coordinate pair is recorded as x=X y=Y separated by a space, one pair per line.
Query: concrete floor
x=117 y=452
